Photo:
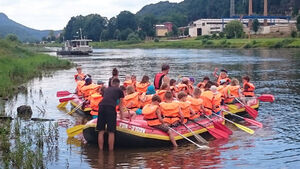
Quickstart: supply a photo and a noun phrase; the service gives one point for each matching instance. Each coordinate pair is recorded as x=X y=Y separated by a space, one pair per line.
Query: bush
x=133 y=38
x=12 y=37
x=156 y=40
x=277 y=45
x=234 y=29
x=293 y=34
x=221 y=34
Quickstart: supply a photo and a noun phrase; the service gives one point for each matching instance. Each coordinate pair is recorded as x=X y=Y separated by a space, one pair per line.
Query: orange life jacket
x=232 y=91
x=149 y=112
x=219 y=79
x=170 y=111
x=183 y=87
x=174 y=89
x=127 y=83
x=147 y=99
x=195 y=103
x=89 y=90
x=217 y=99
x=161 y=94
x=248 y=89
x=95 y=99
x=207 y=97
x=185 y=109
x=134 y=100
x=141 y=87
x=201 y=85
x=79 y=76
x=80 y=84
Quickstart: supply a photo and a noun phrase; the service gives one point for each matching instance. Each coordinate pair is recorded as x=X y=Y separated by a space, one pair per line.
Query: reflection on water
x=272 y=71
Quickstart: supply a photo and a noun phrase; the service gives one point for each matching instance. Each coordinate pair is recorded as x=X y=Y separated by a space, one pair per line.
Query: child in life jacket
x=223 y=75
x=248 y=88
x=142 y=86
x=171 y=111
x=133 y=79
x=233 y=91
x=154 y=118
x=146 y=97
x=196 y=103
x=207 y=97
x=132 y=101
x=191 y=85
x=79 y=76
x=217 y=99
x=202 y=84
x=173 y=87
x=162 y=91
x=128 y=81
x=183 y=86
x=95 y=99
x=185 y=106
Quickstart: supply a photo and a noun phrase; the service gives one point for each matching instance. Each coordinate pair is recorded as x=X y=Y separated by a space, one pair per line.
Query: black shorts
x=107 y=115
x=162 y=127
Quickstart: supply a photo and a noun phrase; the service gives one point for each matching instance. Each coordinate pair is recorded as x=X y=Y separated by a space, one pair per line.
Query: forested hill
x=8 y=26
x=190 y=10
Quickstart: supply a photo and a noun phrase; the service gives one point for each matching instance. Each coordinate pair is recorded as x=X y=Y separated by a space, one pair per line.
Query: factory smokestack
x=250 y=13
x=265 y=12
x=232 y=10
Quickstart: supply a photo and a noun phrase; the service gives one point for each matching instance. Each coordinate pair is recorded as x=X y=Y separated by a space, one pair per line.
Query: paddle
x=66 y=99
x=220 y=126
x=253 y=122
x=199 y=146
x=252 y=112
x=197 y=136
x=76 y=108
x=63 y=93
x=266 y=98
x=244 y=128
x=73 y=131
x=216 y=133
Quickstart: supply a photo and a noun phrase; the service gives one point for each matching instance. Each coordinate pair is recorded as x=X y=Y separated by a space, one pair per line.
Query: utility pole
x=249 y=14
x=232 y=10
x=265 y=12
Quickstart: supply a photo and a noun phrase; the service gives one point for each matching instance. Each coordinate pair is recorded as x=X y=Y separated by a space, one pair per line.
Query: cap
x=150 y=90
x=192 y=79
x=224 y=70
x=88 y=80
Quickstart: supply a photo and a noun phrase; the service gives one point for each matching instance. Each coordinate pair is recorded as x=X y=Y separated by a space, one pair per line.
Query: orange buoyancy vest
x=127 y=83
x=79 y=76
x=207 y=97
x=217 y=99
x=170 y=111
x=182 y=87
x=232 y=91
x=195 y=103
x=149 y=112
x=201 y=85
x=147 y=99
x=89 y=90
x=132 y=102
x=95 y=99
x=185 y=109
x=248 y=89
x=80 y=84
x=219 y=80
x=161 y=94
x=142 y=87
x=174 y=89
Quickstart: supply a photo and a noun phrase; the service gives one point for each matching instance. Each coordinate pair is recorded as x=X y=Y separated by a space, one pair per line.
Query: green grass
x=18 y=64
x=206 y=43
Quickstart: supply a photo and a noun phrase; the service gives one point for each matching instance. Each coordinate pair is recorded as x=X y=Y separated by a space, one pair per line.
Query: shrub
x=293 y=34
x=133 y=38
x=221 y=34
x=156 y=40
x=234 y=29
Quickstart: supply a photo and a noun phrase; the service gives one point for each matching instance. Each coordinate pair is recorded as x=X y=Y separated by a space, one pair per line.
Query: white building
x=211 y=26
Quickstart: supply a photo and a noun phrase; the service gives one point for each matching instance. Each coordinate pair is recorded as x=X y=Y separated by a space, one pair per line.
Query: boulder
x=24 y=112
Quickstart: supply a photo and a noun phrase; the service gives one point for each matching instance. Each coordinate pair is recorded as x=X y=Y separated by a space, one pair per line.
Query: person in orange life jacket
x=222 y=88
x=108 y=115
x=202 y=84
x=207 y=97
x=173 y=87
x=233 y=91
x=146 y=97
x=127 y=81
x=217 y=99
x=162 y=77
x=89 y=88
x=185 y=106
x=79 y=75
x=95 y=99
x=248 y=88
x=132 y=102
x=183 y=86
x=196 y=103
x=223 y=75
x=115 y=74
x=142 y=86
x=191 y=85
x=162 y=91
x=133 y=79
x=154 y=118
x=171 y=111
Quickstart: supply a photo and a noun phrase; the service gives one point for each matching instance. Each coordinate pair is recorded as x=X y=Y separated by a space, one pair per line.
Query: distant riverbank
x=18 y=64
x=204 y=43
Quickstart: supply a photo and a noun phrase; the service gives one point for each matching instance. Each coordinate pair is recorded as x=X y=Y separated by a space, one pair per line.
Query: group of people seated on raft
x=167 y=103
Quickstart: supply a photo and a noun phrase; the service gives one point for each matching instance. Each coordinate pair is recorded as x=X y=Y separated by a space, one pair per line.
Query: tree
x=117 y=34
x=12 y=37
x=111 y=27
x=104 y=35
x=255 y=25
x=126 y=20
x=298 y=23
x=147 y=25
x=234 y=29
x=124 y=33
x=133 y=38
x=51 y=36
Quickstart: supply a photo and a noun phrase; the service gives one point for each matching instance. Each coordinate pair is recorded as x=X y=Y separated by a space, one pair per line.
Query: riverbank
x=198 y=43
x=18 y=64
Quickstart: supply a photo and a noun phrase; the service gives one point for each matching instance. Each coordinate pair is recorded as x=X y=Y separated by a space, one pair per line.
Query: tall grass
x=19 y=64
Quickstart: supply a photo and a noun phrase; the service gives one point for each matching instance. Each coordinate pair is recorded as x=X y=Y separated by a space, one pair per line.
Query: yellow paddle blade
x=246 y=129
x=75 y=130
x=62 y=104
x=73 y=110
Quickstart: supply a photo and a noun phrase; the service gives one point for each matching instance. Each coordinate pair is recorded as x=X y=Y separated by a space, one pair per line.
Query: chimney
x=250 y=13
x=265 y=12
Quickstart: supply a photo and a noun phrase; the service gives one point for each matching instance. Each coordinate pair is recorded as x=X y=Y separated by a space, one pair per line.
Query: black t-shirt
x=111 y=95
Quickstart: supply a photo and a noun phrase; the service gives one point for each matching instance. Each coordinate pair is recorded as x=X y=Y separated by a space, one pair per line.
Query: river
x=276 y=145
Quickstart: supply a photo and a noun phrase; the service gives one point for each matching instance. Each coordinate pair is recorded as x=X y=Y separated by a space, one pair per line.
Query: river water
x=276 y=145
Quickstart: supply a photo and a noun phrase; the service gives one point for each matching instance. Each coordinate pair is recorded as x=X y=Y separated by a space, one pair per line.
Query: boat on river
x=76 y=47
x=136 y=133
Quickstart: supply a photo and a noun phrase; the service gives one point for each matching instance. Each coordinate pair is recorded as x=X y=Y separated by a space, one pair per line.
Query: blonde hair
x=234 y=82
x=130 y=90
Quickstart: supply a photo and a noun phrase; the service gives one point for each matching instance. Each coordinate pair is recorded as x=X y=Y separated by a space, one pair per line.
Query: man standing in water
x=107 y=113
x=162 y=77
x=115 y=74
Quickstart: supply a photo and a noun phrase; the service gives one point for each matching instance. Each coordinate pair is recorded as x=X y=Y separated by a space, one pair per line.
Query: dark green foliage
x=104 y=35
x=126 y=20
x=147 y=25
x=221 y=34
x=133 y=38
x=255 y=25
x=156 y=40
x=298 y=23
x=12 y=37
x=293 y=34
x=234 y=29
x=124 y=33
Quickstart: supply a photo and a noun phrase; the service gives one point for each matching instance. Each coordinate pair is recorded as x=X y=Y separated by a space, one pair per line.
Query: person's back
x=161 y=77
x=170 y=110
x=233 y=91
x=184 y=105
x=196 y=103
x=131 y=100
x=248 y=88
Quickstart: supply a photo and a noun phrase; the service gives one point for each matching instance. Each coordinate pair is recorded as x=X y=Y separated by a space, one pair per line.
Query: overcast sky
x=54 y=14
